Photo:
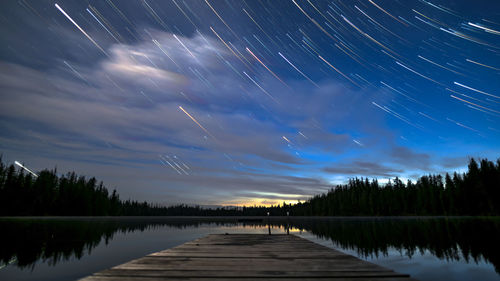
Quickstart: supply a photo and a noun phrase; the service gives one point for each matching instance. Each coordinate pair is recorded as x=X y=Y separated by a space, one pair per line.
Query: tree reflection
x=27 y=241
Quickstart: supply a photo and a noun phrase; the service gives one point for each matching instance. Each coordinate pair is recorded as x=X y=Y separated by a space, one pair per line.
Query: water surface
x=426 y=248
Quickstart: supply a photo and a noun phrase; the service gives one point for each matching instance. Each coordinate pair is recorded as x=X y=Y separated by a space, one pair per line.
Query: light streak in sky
x=340 y=48
x=230 y=49
x=195 y=121
x=427 y=116
x=462 y=125
x=444 y=9
x=22 y=166
x=368 y=36
x=391 y=56
x=475 y=90
x=175 y=163
x=484 y=111
x=79 y=28
x=184 y=46
x=464 y=95
x=300 y=133
x=395 y=114
x=357 y=142
x=261 y=29
x=489 y=30
x=439 y=24
x=241 y=55
x=383 y=27
x=340 y=72
x=119 y=12
x=310 y=47
x=285 y=138
x=262 y=89
x=76 y=72
x=155 y=15
x=163 y=160
x=319 y=12
x=421 y=75
x=165 y=52
x=107 y=23
x=184 y=13
x=436 y=64
x=474 y=104
x=294 y=67
x=276 y=76
x=352 y=51
x=466 y=37
x=102 y=25
x=403 y=94
x=481 y=64
x=387 y=13
x=221 y=19
x=263 y=45
x=183 y=164
x=314 y=21
x=147 y=97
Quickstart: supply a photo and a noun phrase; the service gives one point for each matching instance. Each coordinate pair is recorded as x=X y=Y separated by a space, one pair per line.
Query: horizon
x=382 y=182
x=234 y=103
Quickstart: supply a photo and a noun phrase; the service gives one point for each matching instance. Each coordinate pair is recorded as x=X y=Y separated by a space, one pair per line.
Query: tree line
x=475 y=192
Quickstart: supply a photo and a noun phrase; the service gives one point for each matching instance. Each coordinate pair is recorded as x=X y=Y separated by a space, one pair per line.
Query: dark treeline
x=22 y=194
x=476 y=192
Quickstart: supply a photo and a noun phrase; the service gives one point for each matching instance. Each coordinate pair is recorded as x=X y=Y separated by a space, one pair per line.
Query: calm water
x=426 y=248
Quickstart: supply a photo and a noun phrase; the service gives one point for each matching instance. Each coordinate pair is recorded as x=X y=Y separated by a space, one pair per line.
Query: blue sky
x=248 y=102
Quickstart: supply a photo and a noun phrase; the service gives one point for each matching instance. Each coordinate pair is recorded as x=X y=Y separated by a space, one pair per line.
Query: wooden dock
x=248 y=257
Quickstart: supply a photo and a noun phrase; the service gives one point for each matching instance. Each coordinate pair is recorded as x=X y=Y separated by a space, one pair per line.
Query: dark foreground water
x=427 y=248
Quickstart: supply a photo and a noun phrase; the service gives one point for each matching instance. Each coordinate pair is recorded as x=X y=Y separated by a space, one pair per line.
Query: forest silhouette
x=475 y=192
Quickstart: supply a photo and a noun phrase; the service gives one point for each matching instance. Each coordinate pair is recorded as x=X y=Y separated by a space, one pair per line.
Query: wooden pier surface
x=248 y=257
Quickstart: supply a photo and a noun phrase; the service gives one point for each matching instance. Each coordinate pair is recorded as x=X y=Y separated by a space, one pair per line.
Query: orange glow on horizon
x=259 y=202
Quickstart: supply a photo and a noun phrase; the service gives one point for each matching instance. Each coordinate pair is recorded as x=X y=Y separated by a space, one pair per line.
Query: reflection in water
x=26 y=241
x=452 y=239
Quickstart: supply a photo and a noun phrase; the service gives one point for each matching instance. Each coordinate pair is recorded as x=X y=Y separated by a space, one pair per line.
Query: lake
x=427 y=248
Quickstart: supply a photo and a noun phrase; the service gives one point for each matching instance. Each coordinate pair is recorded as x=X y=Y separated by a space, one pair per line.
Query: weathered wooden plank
x=246 y=273
x=130 y=278
x=261 y=266
x=346 y=263
x=255 y=255
x=249 y=249
x=286 y=247
x=194 y=261
x=248 y=256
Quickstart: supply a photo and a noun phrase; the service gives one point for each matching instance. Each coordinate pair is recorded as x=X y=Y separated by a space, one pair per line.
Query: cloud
x=124 y=112
x=114 y=119
x=365 y=169
x=409 y=158
x=454 y=162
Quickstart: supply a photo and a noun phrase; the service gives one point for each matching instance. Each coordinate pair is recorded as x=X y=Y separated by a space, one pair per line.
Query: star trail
x=218 y=102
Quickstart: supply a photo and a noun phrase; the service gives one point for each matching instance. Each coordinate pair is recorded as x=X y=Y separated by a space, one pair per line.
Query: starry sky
x=222 y=102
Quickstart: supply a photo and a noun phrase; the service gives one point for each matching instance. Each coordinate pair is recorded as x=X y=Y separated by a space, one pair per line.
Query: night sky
x=218 y=102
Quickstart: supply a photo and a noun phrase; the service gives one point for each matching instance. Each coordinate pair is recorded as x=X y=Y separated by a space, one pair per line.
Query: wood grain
x=248 y=257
